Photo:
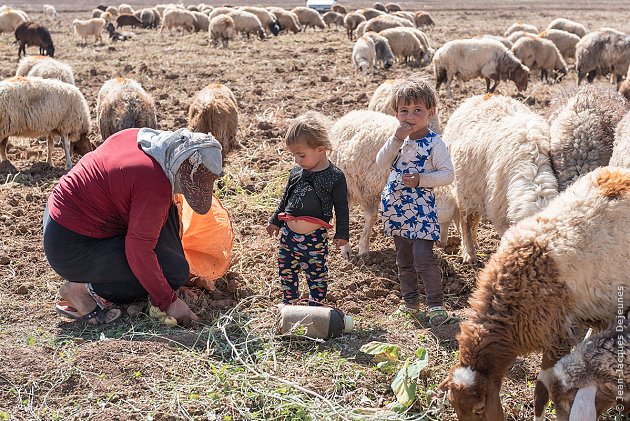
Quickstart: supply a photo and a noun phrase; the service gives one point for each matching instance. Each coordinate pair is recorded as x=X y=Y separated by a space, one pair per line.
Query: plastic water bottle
x=314 y=322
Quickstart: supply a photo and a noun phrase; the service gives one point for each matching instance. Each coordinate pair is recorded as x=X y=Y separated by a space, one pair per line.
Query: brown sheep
x=423 y=19
x=214 y=110
x=339 y=9
x=32 y=33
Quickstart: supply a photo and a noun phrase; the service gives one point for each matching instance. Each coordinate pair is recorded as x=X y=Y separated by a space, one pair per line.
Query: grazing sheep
x=424 y=42
x=10 y=19
x=379 y=6
x=525 y=27
x=33 y=33
x=583 y=122
x=107 y=16
x=500 y=152
x=50 y=13
x=364 y=55
x=602 y=52
x=554 y=271
x=128 y=20
x=357 y=137
x=404 y=44
x=178 y=18
x=150 y=17
x=221 y=28
x=96 y=13
x=351 y=21
x=193 y=8
x=85 y=28
x=308 y=16
x=123 y=104
x=423 y=19
x=125 y=8
x=565 y=41
x=503 y=40
x=333 y=17
x=471 y=58
x=381 y=23
x=384 y=52
x=46 y=68
x=112 y=10
x=267 y=19
x=287 y=20
x=339 y=9
x=393 y=7
x=370 y=13
x=381 y=100
x=621 y=149
x=569 y=26
x=214 y=110
x=247 y=23
x=201 y=21
x=405 y=15
x=586 y=382
x=34 y=107
x=540 y=54
x=220 y=11
x=360 y=31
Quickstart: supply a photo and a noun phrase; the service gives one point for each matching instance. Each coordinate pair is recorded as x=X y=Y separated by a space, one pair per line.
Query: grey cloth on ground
x=170 y=149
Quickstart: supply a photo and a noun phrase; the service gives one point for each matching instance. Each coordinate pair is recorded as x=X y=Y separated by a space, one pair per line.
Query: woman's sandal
x=96 y=317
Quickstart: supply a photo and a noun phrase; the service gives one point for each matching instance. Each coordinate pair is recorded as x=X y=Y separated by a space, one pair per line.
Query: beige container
x=314 y=322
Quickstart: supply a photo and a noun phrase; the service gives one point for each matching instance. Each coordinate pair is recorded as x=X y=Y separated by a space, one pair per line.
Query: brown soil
x=52 y=368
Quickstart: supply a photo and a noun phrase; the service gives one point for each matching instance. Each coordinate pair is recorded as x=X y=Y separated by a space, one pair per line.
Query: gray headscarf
x=170 y=149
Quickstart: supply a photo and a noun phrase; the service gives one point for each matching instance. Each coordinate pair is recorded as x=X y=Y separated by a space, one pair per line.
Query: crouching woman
x=111 y=229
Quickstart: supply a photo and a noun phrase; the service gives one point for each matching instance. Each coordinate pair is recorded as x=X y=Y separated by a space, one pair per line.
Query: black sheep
x=128 y=20
x=33 y=33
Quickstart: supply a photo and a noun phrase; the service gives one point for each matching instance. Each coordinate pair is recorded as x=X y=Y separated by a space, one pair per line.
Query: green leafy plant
x=405 y=383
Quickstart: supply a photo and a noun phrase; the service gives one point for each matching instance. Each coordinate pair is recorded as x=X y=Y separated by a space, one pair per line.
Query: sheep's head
x=81 y=146
x=274 y=27
x=473 y=395
x=387 y=64
x=520 y=76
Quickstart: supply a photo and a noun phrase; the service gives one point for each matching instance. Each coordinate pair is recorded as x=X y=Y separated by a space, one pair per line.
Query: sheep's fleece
x=171 y=149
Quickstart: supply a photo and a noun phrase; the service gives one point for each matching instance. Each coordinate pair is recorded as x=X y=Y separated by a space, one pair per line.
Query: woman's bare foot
x=77 y=295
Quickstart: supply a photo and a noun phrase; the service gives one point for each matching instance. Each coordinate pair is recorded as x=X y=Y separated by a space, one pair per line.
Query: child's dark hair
x=412 y=90
x=310 y=128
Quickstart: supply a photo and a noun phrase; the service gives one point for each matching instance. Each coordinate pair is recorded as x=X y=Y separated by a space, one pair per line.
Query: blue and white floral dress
x=410 y=212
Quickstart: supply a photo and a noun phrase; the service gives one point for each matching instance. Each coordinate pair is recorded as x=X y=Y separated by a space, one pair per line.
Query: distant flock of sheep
x=556 y=188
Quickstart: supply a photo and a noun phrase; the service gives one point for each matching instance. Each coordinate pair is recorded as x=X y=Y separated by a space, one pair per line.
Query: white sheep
x=393 y=7
x=621 y=149
x=515 y=36
x=214 y=110
x=112 y=10
x=85 y=28
x=424 y=41
x=370 y=13
x=602 y=52
x=308 y=16
x=565 y=41
x=380 y=23
x=34 y=107
x=10 y=19
x=364 y=55
x=125 y=8
x=220 y=11
x=479 y=57
x=221 y=28
x=360 y=31
x=357 y=137
x=267 y=19
x=178 y=18
x=123 y=104
x=500 y=152
x=556 y=270
x=201 y=21
x=330 y=18
x=525 y=27
x=287 y=20
x=583 y=122
x=247 y=23
x=50 y=13
x=591 y=379
x=410 y=16
x=569 y=26
x=46 y=68
x=404 y=44
x=96 y=13
x=381 y=100
x=540 y=54
x=384 y=52
x=351 y=21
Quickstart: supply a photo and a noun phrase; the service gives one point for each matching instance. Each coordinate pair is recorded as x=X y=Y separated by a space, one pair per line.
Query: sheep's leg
x=3 y=149
x=50 y=144
x=369 y=213
x=66 y=147
x=487 y=84
x=494 y=87
x=449 y=93
x=467 y=223
x=561 y=346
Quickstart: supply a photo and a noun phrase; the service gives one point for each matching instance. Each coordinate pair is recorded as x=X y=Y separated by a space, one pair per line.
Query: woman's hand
x=403 y=130
x=411 y=180
x=181 y=312
x=273 y=230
